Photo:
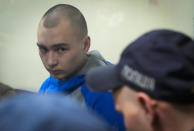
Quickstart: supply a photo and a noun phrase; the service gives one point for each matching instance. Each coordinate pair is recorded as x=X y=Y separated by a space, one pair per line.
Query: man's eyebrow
x=40 y=45
x=53 y=46
x=60 y=45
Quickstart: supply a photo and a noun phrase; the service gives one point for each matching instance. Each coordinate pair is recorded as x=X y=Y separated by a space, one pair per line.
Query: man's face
x=60 y=51
x=126 y=103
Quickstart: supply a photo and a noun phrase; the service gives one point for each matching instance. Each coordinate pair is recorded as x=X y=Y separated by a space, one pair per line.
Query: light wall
x=112 y=25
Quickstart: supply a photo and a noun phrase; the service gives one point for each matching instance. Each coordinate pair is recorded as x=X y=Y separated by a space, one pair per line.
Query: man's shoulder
x=95 y=59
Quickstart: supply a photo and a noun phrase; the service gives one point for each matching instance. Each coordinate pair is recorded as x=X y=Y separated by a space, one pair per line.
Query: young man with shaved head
x=153 y=83
x=63 y=43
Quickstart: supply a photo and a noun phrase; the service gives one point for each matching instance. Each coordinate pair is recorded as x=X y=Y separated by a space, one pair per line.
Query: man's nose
x=52 y=60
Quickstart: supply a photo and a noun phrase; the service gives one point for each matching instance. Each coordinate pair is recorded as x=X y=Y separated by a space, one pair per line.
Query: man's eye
x=61 y=50
x=43 y=50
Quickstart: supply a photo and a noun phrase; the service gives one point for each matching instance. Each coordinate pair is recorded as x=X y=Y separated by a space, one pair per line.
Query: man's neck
x=178 y=120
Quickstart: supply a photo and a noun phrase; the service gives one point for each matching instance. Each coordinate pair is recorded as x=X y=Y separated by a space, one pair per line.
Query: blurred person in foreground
x=63 y=44
x=33 y=112
x=153 y=83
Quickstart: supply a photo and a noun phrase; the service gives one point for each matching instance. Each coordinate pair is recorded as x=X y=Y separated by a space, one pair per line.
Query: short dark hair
x=6 y=91
x=53 y=16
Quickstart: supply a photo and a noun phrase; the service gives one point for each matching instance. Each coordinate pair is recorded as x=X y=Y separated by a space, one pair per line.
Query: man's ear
x=86 y=43
x=148 y=105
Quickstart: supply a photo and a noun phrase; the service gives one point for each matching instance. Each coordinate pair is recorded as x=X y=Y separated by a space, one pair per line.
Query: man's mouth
x=54 y=72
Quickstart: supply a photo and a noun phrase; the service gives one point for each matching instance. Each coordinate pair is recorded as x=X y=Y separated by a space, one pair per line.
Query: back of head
x=163 y=61
x=61 y=12
x=32 y=112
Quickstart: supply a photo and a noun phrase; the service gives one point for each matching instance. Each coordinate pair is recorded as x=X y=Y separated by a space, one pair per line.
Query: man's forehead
x=53 y=23
x=55 y=36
